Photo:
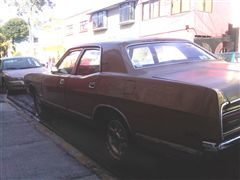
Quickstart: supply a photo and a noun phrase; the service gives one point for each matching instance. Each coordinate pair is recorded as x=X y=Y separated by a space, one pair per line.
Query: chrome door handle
x=91 y=85
x=61 y=82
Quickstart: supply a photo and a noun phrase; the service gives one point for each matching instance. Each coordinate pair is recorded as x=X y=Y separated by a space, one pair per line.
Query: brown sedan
x=166 y=91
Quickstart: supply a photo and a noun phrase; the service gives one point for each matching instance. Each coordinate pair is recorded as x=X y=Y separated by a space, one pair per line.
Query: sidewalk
x=28 y=153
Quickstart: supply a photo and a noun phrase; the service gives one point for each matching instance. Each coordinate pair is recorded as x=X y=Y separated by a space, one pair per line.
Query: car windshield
x=20 y=63
x=152 y=54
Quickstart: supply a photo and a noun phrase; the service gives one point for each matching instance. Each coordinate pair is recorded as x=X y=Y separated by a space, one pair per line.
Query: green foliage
x=16 y=30
x=4 y=45
x=26 y=6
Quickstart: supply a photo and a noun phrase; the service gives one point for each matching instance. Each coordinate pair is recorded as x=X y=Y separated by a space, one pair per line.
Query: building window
x=127 y=12
x=83 y=26
x=151 y=9
x=69 y=30
x=179 y=6
x=204 y=5
x=146 y=11
x=165 y=7
x=156 y=8
x=99 y=20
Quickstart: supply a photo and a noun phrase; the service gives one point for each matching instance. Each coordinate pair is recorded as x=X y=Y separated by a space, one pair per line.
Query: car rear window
x=151 y=54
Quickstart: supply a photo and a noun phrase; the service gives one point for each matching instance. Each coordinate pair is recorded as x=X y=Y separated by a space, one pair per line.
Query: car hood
x=211 y=74
x=20 y=73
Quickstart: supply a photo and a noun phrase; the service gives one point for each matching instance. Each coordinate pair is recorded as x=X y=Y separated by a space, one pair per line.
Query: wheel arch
x=102 y=109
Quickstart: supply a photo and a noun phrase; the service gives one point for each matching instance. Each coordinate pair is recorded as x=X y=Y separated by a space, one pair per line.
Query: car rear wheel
x=117 y=139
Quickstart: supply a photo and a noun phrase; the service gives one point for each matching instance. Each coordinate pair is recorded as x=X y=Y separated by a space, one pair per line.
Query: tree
x=32 y=6
x=29 y=9
x=16 y=30
x=4 y=45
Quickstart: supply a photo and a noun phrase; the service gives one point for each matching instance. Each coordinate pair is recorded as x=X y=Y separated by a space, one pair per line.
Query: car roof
x=130 y=41
x=15 y=57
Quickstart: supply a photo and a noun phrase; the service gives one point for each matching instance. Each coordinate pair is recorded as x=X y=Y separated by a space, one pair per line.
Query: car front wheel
x=39 y=107
x=117 y=139
x=4 y=87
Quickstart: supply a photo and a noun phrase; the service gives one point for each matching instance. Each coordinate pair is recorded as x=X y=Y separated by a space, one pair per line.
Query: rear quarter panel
x=161 y=109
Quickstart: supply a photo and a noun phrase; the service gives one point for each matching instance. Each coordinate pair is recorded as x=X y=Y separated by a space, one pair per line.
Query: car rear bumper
x=214 y=147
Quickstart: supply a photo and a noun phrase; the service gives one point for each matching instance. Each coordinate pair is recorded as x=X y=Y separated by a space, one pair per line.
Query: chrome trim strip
x=221 y=118
x=52 y=104
x=226 y=143
x=79 y=114
x=233 y=111
x=66 y=109
x=216 y=147
x=231 y=131
x=235 y=100
x=170 y=144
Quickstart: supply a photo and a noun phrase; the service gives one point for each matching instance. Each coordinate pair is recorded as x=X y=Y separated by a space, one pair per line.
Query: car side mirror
x=54 y=69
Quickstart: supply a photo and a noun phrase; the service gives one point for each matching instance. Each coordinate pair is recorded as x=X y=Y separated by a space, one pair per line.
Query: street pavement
x=28 y=153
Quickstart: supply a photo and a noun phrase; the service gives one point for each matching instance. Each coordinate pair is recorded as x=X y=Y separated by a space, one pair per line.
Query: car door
x=55 y=83
x=82 y=86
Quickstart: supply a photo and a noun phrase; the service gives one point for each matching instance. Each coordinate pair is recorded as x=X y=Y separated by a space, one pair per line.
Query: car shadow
x=141 y=163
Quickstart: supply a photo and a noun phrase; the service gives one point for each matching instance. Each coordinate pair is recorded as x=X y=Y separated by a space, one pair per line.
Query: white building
x=204 y=21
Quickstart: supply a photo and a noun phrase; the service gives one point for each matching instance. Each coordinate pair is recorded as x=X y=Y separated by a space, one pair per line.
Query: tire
x=4 y=87
x=40 y=109
x=117 y=139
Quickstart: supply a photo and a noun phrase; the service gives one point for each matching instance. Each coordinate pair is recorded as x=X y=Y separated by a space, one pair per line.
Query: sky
x=76 y=6
x=61 y=10
x=72 y=7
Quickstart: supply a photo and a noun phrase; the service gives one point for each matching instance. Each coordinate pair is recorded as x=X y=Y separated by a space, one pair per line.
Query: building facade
x=207 y=22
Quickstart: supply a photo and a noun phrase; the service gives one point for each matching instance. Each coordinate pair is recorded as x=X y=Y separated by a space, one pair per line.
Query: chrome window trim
x=166 y=41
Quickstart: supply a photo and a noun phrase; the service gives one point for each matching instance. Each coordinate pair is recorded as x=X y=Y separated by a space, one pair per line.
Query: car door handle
x=61 y=82
x=91 y=85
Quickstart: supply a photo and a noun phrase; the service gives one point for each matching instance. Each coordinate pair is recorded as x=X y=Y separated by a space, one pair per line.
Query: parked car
x=167 y=91
x=13 y=70
x=233 y=57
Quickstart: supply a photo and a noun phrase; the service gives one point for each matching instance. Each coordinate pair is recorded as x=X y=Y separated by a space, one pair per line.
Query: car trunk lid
x=211 y=74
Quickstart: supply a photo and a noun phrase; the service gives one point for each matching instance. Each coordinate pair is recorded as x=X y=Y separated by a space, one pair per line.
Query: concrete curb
x=68 y=148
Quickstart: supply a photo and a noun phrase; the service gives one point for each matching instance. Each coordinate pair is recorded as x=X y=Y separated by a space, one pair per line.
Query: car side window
x=90 y=62
x=68 y=62
x=141 y=56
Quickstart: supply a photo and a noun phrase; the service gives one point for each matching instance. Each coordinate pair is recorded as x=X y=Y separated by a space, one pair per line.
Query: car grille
x=231 y=120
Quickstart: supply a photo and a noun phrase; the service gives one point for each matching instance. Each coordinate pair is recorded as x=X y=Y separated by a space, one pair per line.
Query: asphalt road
x=142 y=163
